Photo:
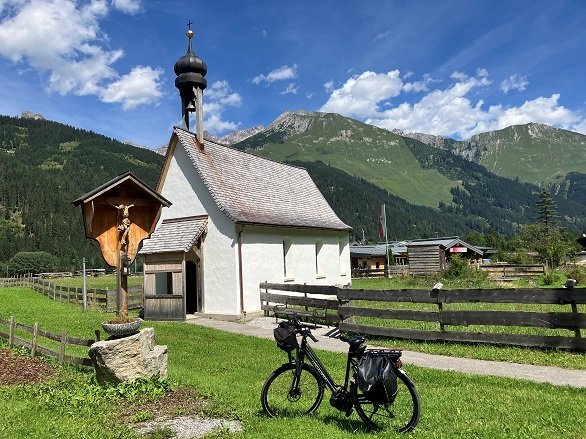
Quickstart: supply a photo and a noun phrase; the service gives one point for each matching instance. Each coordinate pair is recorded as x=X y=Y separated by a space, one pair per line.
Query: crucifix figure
x=123 y=221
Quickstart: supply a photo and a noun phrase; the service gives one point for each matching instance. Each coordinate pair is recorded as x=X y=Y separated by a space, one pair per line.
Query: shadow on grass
x=350 y=424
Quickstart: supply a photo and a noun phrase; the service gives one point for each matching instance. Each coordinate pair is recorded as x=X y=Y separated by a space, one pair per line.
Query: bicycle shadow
x=350 y=424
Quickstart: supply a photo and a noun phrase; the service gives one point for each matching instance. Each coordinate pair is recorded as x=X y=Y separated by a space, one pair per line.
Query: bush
x=458 y=268
x=31 y=262
x=578 y=273
x=552 y=277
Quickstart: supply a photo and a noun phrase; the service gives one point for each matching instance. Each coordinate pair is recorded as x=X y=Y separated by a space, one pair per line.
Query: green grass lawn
x=546 y=357
x=105 y=282
x=229 y=371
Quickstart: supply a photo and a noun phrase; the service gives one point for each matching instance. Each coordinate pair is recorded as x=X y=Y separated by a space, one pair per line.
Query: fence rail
x=567 y=313
x=35 y=331
x=494 y=271
x=512 y=271
x=390 y=270
x=102 y=299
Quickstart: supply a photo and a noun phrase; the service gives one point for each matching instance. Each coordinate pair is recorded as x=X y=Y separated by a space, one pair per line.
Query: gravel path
x=263 y=327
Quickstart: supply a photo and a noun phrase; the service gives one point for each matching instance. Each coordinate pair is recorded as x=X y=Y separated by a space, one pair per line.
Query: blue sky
x=452 y=68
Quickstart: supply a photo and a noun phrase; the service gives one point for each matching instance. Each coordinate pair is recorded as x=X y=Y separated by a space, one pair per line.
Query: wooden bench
x=301 y=302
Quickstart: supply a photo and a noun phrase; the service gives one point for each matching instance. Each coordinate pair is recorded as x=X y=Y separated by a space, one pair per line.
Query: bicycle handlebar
x=302 y=328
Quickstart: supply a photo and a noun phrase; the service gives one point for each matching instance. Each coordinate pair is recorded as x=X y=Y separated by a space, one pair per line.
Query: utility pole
x=84 y=287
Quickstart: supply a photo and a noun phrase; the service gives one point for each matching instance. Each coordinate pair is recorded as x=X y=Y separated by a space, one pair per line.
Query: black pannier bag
x=376 y=377
x=285 y=337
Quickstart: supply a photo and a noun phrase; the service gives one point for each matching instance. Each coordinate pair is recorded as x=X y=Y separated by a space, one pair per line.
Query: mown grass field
x=229 y=370
x=104 y=282
x=545 y=357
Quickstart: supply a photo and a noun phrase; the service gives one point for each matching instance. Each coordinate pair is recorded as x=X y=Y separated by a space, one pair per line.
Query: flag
x=382 y=222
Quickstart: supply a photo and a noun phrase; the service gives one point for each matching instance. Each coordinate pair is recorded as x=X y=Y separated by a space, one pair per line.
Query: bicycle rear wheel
x=401 y=415
x=279 y=398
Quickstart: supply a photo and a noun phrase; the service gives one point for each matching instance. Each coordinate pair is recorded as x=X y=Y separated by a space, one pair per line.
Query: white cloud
x=329 y=86
x=360 y=95
x=381 y=36
x=281 y=74
x=221 y=93
x=580 y=127
x=291 y=89
x=216 y=99
x=418 y=86
x=450 y=111
x=141 y=86
x=128 y=6
x=63 y=40
x=514 y=82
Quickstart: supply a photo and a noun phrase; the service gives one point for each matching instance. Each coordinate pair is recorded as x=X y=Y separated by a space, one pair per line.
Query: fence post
x=34 y=341
x=62 y=347
x=54 y=291
x=10 y=330
x=577 y=332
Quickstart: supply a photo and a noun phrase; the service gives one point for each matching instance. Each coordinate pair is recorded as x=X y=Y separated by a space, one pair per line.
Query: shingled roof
x=255 y=190
x=175 y=235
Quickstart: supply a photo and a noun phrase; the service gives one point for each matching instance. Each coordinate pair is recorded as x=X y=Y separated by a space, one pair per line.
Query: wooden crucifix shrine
x=119 y=215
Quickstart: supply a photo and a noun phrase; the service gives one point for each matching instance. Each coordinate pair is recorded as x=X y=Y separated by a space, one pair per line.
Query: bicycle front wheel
x=401 y=415
x=281 y=397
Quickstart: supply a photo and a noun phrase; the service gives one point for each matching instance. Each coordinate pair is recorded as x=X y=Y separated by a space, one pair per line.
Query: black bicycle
x=297 y=388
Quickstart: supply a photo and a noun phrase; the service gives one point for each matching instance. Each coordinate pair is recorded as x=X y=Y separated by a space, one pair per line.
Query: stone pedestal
x=129 y=358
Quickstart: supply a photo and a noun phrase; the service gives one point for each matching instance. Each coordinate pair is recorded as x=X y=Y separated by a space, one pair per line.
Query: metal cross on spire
x=189 y=24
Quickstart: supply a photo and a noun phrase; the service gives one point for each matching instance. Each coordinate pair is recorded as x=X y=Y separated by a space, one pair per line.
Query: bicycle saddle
x=354 y=341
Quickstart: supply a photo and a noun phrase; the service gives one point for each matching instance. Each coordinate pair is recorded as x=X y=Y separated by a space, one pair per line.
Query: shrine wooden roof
x=175 y=235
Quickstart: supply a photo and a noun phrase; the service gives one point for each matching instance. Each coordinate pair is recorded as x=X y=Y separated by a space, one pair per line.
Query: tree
x=547 y=209
x=552 y=244
x=31 y=262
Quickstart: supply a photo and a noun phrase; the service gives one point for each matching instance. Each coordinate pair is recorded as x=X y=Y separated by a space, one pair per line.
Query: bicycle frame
x=305 y=350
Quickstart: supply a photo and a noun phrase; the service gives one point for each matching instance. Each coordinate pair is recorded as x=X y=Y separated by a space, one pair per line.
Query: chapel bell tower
x=191 y=82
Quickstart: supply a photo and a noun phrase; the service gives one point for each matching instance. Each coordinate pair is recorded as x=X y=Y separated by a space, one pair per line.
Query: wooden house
x=428 y=256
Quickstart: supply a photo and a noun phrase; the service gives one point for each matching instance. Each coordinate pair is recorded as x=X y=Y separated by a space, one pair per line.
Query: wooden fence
x=512 y=271
x=389 y=305
x=391 y=270
x=102 y=299
x=425 y=263
x=35 y=347
x=312 y=302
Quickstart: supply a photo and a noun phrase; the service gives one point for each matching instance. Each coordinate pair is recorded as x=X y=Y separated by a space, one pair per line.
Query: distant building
x=428 y=256
x=422 y=256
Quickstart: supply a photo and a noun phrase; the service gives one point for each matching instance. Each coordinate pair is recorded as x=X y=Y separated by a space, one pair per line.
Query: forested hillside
x=44 y=166
x=357 y=201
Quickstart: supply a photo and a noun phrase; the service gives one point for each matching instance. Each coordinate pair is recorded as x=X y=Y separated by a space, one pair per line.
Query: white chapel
x=236 y=220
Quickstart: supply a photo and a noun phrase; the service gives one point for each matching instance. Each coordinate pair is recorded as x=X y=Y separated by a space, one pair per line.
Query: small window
x=318 y=265
x=286 y=258
x=341 y=247
x=164 y=283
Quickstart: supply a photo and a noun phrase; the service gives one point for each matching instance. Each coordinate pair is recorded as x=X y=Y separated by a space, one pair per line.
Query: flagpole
x=386 y=238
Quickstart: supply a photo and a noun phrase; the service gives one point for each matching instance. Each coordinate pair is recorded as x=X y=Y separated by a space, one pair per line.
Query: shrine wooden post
x=119 y=215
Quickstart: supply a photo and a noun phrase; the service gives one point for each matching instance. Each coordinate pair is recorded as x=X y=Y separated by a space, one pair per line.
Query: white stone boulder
x=129 y=358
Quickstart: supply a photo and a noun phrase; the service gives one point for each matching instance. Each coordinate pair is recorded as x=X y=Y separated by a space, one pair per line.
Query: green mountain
x=533 y=153
x=428 y=191
x=373 y=154
x=407 y=169
x=46 y=165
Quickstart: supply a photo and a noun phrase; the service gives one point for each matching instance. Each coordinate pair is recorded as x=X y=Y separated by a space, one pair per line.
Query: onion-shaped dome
x=190 y=69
